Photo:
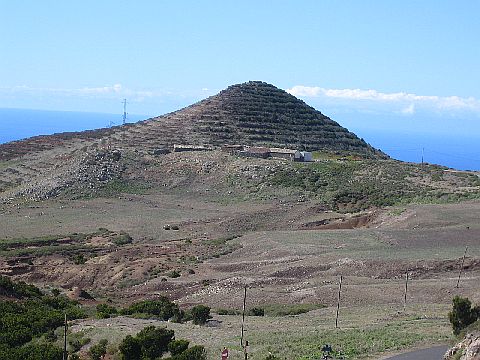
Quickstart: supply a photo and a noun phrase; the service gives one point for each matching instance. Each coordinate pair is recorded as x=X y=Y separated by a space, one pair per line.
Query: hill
x=116 y=213
x=254 y=113
x=257 y=113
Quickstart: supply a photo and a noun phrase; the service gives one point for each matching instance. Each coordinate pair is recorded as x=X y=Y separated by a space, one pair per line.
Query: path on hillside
x=433 y=353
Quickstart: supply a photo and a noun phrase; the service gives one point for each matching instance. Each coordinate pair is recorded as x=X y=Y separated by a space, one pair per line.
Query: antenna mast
x=124 y=111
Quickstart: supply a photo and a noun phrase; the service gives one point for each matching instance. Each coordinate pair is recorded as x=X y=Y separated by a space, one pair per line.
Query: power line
x=428 y=150
x=124 y=111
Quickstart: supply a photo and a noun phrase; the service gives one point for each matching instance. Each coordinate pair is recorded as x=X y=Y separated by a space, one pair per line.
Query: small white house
x=306 y=156
x=289 y=154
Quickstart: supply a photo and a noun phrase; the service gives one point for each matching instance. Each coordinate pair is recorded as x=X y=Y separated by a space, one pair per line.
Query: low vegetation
x=152 y=342
x=463 y=314
x=36 y=316
x=30 y=319
x=353 y=185
x=75 y=245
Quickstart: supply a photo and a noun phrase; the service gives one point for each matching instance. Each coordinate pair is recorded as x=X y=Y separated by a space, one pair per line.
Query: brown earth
x=205 y=224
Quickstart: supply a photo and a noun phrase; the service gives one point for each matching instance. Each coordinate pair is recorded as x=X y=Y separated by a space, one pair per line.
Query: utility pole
x=124 y=111
x=406 y=290
x=338 y=301
x=243 y=314
x=65 y=355
x=461 y=268
x=423 y=155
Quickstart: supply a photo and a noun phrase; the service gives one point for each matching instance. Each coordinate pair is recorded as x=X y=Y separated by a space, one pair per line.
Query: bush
x=18 y=289
x=200 y=314
x=228 y=312
x=176 y=347
x=196 y=352
x=154 y=341
x=130 y=348
x=32 y=352
x=174 y=274
x=162 y=308
x=462 y=314
x=99 y=350
x=77 y=341
x=122 y=239
x=256 y=312
x=105 y=311
x=149 y=344
x=79 y=259
x=20 y=322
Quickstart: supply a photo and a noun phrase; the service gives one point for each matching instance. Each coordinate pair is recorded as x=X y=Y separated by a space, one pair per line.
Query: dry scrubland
x=289 y=265
x=105 y=212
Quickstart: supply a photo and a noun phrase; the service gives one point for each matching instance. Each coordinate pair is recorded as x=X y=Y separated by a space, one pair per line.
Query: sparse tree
x=98 y=351
x=130 y=348
x=176 y=347
x=200 y=314
x=154 y=341
x=462 y=314
x=196 y=352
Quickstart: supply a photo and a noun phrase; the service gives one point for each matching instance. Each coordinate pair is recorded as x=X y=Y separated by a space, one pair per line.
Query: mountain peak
x=253 y=113
x=258 y=113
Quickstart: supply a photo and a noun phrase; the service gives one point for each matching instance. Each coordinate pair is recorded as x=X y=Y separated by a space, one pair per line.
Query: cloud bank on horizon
x=399 y=102
x=356 y=100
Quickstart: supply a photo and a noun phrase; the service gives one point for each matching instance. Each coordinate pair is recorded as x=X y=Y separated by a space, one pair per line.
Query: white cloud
x=409 y=102
x=102 y=92
x=409 y=110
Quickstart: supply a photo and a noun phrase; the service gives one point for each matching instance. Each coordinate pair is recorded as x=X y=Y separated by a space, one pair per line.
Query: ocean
x=455 y=151
x=16 y=124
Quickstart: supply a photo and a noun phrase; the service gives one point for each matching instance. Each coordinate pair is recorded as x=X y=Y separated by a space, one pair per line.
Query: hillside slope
x=257 y=113
x=253 y=113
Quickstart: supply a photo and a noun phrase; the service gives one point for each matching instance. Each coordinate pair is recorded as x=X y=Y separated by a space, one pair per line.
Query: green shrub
x=162 y=308
x=105 y=311
x=130 y=348
x=44 y=351
x=79 y=259
x=154 y=341
x=149 y=344
x=228 y=312
x=176 y=347
x=196 y=352
x=200 y=314
x=98 y=351
x=77 y=341
x=462 y=314
x=122 y=239
x=289 y=309
x=174 y=274
x=20 y=322
x=256 y=312
x=18 y=289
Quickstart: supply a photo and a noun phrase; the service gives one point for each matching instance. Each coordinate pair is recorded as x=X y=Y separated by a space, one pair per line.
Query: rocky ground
x=203 y=225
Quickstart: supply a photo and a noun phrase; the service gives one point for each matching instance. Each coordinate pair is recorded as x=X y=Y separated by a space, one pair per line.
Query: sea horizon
x=457 y=152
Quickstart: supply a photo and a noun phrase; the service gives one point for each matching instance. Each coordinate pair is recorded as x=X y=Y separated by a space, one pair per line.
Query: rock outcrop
x=467 y=349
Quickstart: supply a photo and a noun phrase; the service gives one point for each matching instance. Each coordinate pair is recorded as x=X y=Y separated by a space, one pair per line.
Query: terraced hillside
x=253 y=113
x=257 y=113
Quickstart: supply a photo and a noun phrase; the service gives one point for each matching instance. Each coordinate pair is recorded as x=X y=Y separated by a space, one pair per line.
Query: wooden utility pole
x=65 y=355
x=461 y=267
x=338 y=301
x=405 y=294
x=243 y=314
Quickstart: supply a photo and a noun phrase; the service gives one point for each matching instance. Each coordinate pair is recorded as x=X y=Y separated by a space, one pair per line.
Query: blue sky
x=402 y=62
